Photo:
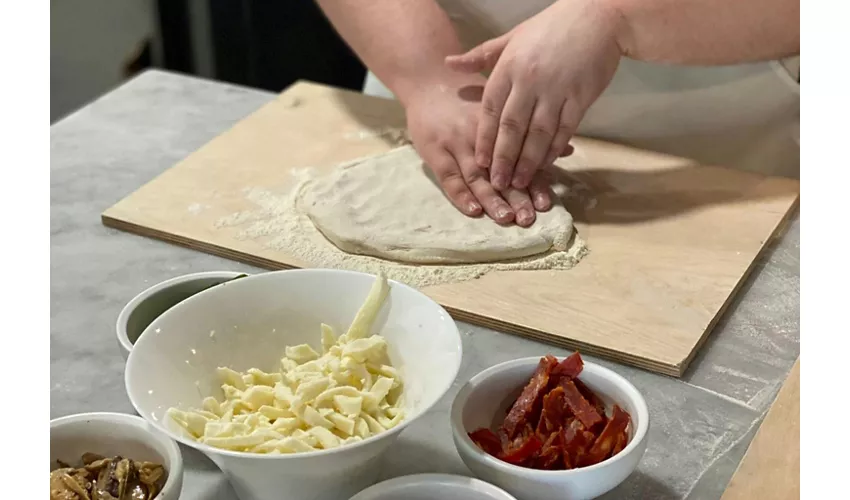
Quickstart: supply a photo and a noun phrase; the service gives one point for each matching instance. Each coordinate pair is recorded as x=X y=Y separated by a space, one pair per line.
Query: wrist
x=613 y=14
x=439 y=80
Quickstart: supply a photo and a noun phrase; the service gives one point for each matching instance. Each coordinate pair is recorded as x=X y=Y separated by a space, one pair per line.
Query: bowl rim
x=307 y=454
x=175 y=472
x=461 y=438
x=390 y=485
x=133 y=304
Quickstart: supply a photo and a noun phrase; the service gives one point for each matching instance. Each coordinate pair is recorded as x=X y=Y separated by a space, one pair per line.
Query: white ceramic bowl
x=150 y=304
x=484 y=401
x=431 y=487
x=248 y=323
x=112 y=434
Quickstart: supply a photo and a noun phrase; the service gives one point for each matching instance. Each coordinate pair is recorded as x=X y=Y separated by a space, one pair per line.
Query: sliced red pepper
x=591 y=396
x=487 y=440
x=570 y=367
x=527 y=406
x=553 y=415
x=607 y=440
x=519 y=450
x=581 y=408
x=550 y=453
x=622 y=441
x=574 y=442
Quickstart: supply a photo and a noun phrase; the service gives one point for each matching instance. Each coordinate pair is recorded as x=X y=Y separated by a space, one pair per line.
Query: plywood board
x=771 y=466
x=669 y=242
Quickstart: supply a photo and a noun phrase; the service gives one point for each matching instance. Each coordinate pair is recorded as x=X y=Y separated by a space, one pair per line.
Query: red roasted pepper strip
x=487 y=440
x=575 y=443
x=622 y=441
x=581 y=408
x=553 y=415
x=607 y=440
x=522 y=448
x=527 y=406
x=551 y=452
x=570 y=367
x=590 y=396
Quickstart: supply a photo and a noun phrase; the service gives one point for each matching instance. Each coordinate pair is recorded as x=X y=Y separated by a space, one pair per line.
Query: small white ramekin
x=484 y=400
x=150 y=304
x=117 y=434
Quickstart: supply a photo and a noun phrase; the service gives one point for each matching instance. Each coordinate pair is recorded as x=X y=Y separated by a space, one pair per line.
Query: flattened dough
x=389 y=206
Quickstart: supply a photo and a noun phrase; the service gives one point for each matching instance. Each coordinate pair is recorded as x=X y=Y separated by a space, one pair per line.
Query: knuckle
x=526 y=69
x=449 y=175
x=564 y=130
x=489 y=107
x=504 y=158
x=540 y=131
x=473 y=175
x=531 y=70
x=443 y=143
x=510 y=125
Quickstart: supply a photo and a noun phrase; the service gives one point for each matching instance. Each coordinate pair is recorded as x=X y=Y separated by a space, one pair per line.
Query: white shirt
x=745 y=116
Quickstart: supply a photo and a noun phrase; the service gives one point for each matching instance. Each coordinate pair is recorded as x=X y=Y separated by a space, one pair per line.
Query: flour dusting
x=280 y=225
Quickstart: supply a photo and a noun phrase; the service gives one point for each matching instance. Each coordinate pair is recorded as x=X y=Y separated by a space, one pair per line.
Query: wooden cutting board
x=670 y=243
x=771 y=467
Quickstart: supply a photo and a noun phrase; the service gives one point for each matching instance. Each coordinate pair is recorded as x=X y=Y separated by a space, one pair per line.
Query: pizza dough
x=389 y=206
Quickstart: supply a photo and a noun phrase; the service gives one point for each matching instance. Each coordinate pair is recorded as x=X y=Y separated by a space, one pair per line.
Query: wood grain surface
x=670 y=242
x=771 y=467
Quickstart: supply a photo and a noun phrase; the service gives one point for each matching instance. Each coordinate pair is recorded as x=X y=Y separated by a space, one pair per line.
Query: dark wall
x=267 y=44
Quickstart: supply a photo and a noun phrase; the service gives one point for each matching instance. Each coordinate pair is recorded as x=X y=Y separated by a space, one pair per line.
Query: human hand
x=442 y=120
x=546 y=73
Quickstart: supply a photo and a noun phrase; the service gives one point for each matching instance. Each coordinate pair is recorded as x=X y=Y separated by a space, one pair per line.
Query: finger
x=513 y=125
x=538 y=140
x=496 y=93
x=540 y=191
x=450 y=177
x=554 y=155
x=494 y=205
x=480 y=58
x=521 y=204
x=568 y=122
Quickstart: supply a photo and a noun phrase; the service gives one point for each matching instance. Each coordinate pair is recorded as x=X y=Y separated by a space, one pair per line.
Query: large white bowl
x=431 y=487
x=113 y=434
x=484 y=400
x=247 y=323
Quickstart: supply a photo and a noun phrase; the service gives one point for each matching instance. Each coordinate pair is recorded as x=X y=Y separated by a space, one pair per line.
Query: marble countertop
x=701 y=424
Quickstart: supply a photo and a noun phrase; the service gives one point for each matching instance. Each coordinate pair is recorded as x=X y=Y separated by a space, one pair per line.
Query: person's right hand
x=442 y=120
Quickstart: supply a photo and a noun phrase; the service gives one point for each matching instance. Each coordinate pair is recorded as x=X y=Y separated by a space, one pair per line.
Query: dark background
x=267 y=44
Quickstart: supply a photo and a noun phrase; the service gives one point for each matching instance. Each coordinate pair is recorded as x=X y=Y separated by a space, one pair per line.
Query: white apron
x=745 y=116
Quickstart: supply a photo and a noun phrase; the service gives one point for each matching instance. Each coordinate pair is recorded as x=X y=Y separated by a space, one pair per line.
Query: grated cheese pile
x=348 y=393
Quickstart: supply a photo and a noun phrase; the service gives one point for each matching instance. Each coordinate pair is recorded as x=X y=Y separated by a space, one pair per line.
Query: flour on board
x=278 y=224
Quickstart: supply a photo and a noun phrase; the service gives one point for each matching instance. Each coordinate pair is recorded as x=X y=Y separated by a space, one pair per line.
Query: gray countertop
x=701 y=424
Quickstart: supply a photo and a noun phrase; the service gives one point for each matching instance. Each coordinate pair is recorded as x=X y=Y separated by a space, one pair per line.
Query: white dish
x=247 y=324
x=150 y=304
x=484 y=400
x=111 y=434
x=433 y=487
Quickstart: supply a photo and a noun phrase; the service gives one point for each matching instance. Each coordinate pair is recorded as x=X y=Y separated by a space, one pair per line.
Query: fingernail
x=483 y=161
x=524 y=217
x=540 y=201
x=474 y=207
x=500 y=182
x=502 y=212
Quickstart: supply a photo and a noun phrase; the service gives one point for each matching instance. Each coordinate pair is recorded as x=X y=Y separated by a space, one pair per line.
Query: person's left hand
x=546 y=73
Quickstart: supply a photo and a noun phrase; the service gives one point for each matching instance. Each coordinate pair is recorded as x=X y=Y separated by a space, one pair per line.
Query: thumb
x=480 y=58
